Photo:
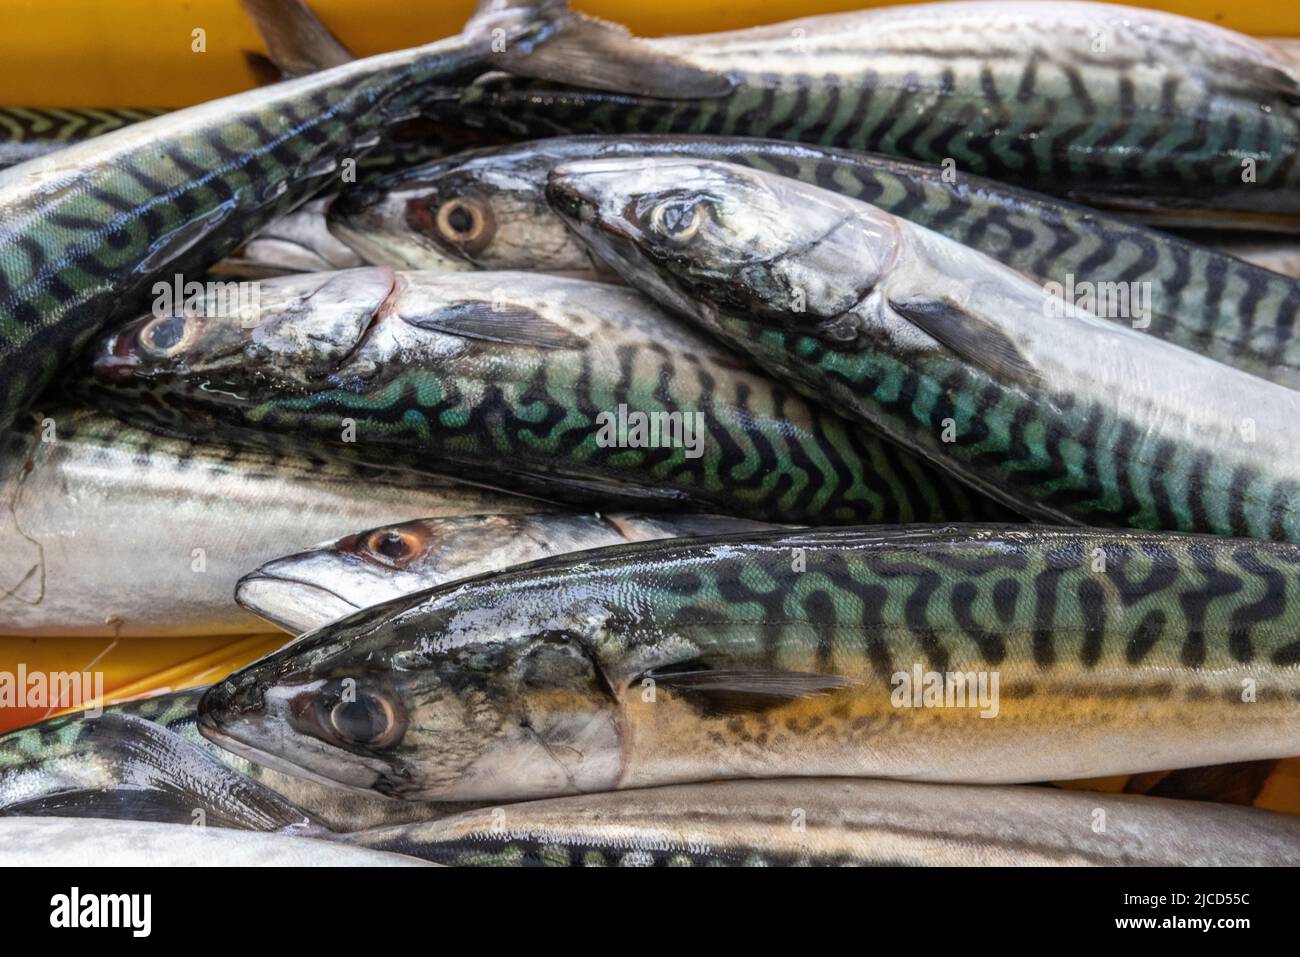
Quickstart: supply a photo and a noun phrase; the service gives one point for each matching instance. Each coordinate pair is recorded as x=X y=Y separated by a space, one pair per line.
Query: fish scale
x=1058 y=414
x=521 y=379
x=86 y=231
x=28 y=132
x=161 y=529
x=1162 y=116
x=838 y=822
x=787 y=654
x=1200 y=299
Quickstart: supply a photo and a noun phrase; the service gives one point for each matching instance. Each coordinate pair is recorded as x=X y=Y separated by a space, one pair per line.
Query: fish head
x=703 y=236
x=291 y=330
x=419 y=699
x=311 y=588
x=479 y=210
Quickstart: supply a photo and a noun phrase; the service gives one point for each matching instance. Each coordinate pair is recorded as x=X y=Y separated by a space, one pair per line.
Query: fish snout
x=228 y=701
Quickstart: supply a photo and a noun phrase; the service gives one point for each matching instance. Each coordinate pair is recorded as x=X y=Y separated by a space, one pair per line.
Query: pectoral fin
x=505 y=323
x=969 y=336
x=723 y=691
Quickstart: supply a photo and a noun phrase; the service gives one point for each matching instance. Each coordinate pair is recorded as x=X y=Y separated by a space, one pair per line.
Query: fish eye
x=164 y=336
x=677 y=219
x=465 y=221
x=368 y=720
x=392 y=546
x=348 y=715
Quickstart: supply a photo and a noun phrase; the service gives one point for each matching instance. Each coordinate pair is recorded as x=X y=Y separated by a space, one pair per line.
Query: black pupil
x=460 y=219
x=168 y=332
x=391 y=545
x=361 y=720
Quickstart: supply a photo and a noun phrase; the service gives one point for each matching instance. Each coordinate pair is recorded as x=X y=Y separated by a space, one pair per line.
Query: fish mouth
x=288 y=602
x=275 y=762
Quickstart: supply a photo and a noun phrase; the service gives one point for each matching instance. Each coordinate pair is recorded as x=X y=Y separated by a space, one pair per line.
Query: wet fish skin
x=789 y=654
x=847 y=822
x=77 y=842
x=1058 y=414
x=50 y=768
x=29 y=132
x=86 y=231
x=1157 y=122
x=1200 y=299
x=99 y=523
x=504 y=377
x=308 y=590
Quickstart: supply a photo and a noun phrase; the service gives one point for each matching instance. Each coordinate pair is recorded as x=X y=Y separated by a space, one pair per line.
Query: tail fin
x=542 y=39
x=296 y=40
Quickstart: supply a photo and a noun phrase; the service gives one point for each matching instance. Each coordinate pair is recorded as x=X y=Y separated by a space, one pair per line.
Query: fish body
x=1058 y=414
x=1164 y=116
x=77 y=842
x=487 y=209
x=998 y=654
x=833 y=822
x=564 y=388
x=87 y=231
x=29 y=132
x=146 y=760
x=106 y=529
x=302 y=592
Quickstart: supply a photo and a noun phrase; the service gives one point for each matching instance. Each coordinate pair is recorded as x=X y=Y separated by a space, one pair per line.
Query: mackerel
x=1169 y=118
x=302 y=592
x=106 y=529
x=486 y=209
x=145 y=760
x=87 y=231
x=29 y=132
x=1058 y=414
x=832 y=822
x=937 y=653
x=573 y=390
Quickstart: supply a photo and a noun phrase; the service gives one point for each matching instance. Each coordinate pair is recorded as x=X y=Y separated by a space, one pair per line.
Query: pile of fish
x=793 y=446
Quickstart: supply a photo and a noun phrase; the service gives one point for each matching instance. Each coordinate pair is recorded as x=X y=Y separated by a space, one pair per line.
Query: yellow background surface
x=138 y=52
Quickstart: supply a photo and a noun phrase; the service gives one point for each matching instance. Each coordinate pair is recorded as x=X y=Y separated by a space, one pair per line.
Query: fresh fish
x=29 y=132
x=76 y=842
x=486 y=209
x=133 y=768
x=968 y=654
x=1058 y=414
x=302 y=592
x=1165 y=117
x=526 y=381
x=146 y=760
x=109 y=530
x=838 y=822
x=86 y=232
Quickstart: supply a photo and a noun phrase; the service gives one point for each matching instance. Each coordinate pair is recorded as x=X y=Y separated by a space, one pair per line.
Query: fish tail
x=581 y=50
